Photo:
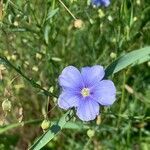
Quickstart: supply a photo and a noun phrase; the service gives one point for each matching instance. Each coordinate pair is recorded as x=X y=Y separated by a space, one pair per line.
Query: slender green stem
x=87 y=144
x=15 y=125
x=122 y=97
x=129 y=133
x=68 y=10
x=53 y=4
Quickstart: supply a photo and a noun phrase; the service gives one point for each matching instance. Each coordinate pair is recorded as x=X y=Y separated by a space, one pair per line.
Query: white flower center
x=85 y=92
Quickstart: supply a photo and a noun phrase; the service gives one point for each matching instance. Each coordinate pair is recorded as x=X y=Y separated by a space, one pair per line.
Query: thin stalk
x=68 y=10
x=122 y=97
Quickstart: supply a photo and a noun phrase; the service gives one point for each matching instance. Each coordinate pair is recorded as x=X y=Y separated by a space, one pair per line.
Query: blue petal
x=88 y=109
x=105 y=92
x=96 y=3
x=92 y=75
x=105 y=2
x=101 y=2
x=70 y=78
x=68 y=100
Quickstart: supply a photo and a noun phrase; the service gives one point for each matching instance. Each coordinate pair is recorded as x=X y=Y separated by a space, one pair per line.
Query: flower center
x=85 y=92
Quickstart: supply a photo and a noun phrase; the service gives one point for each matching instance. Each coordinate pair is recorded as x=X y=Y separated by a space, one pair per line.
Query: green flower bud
x=113 y=55
x=98 y=120
x=101 y=13
x=6 y=105
x=45 y=124
x=148 y=63
x=90 y=133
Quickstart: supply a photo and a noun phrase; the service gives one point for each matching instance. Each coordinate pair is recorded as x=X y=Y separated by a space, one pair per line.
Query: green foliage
x=131 y=58
x=7 y=141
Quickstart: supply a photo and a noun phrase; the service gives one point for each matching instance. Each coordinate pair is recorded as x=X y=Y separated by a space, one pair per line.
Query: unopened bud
x=110 y=18
x=98 y=120
x=38 y=56
x=16 y=23
x=135 y=19
x=78 y=23
x=101 y=13
x=148 y=63
x=138 y=2
x=113 y=55
x=45 y=124
x=90 y=133
x=35 y=68
x=6 y=105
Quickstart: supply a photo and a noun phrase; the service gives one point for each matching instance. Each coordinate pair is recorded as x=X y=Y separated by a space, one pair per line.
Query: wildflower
x=98 y=3
x=85 y=90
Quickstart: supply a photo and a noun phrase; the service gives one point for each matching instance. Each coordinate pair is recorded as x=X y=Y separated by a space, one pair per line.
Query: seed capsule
x=6 y=105
x=45 y=124
x=78 y=23
x=113 y=55
x=90 y=133
x=148 y=64
x=98 y=120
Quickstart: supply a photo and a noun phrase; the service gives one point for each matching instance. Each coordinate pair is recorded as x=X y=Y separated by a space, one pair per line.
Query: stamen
x=85 y=92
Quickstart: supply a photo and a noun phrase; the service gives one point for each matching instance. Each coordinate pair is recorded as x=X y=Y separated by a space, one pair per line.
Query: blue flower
x=85 y=90
x=100 y=3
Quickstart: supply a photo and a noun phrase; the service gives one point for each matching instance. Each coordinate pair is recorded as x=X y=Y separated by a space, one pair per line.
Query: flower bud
x=138 y=2
x=101 y=13
x=38 y=56
x=90 y=133
x=98 y=120
x=16 y=23
x=35 y=68
x=110 y=18
x=113 y=55
x=6 y=105
x=78 y=23
x=148 y=63
x=45 y=124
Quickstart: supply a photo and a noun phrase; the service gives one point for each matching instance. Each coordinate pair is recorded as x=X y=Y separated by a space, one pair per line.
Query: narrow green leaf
x=76 y=126
x=54 y=129
x=46 y=33
x=132 y=58
x=52 y=13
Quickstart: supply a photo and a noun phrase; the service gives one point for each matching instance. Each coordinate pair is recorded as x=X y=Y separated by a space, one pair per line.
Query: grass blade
x=131 y=58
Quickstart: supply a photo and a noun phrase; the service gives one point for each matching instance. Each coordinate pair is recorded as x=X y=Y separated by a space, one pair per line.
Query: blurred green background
x=41 y=38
